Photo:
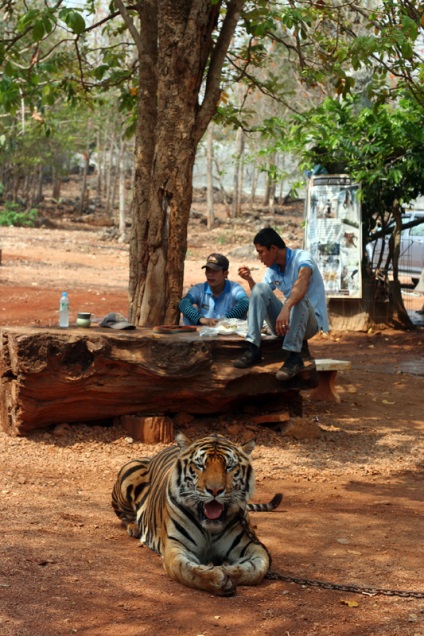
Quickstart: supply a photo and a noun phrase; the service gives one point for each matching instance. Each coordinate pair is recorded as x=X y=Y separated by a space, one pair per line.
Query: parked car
x=411 y=259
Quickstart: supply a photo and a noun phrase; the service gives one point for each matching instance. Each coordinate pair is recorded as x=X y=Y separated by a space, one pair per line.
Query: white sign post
x=333 y=233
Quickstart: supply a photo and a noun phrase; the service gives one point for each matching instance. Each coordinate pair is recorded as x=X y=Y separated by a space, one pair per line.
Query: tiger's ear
x=182 y=440
x=247 y=447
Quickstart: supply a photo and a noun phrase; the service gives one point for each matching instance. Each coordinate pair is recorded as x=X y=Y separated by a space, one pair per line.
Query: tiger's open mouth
x=213 y=510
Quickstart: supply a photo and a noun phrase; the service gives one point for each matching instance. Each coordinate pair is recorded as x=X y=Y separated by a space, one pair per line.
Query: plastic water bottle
x=64 y=310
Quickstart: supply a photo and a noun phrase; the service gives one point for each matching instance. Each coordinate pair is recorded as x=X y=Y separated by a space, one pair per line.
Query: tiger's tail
x=266 y=507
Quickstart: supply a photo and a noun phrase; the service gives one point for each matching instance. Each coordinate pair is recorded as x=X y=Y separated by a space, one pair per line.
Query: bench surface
x=328 y=364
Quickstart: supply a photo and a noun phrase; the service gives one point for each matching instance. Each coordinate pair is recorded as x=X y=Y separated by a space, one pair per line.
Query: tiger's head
x=213 y=478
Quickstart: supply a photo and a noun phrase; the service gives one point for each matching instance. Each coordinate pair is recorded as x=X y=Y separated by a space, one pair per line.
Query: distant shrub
x=11 y=215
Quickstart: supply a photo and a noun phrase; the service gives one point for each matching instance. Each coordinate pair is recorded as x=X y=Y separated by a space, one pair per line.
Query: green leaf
x=38 y=31
x=73 y=20
x=77 y=24
x=26 y=20
x=100 y=71
x=48 y=24
x=407 y=50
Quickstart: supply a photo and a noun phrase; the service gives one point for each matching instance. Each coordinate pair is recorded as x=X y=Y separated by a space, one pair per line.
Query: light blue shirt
x=296 y=259
x=209 y=306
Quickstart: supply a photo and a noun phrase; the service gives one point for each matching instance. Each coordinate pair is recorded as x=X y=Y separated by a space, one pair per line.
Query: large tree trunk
x=159 y=232
x=175 y=48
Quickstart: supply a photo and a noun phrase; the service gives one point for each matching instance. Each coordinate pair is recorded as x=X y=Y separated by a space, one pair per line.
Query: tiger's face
x=214 y=479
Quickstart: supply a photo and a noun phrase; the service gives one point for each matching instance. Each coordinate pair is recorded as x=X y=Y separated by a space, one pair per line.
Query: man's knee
x=261 y=291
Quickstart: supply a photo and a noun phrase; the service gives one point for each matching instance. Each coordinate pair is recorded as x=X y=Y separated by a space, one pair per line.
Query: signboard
x=333 y=233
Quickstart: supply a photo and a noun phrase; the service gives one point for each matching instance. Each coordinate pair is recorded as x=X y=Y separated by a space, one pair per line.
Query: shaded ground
x=353 y=507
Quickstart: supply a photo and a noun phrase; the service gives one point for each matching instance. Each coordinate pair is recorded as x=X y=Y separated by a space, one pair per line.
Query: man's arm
x=240 y=308
x=189 y=311
x=191 y=314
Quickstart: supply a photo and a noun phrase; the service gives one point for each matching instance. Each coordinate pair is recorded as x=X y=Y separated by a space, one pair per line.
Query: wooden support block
x=326 y=389
x=156 y=429
x=301 y=428
x=270 y=418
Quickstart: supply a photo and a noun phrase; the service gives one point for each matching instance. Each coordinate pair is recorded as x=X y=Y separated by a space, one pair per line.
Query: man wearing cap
x=217 y=298
x=302 y=314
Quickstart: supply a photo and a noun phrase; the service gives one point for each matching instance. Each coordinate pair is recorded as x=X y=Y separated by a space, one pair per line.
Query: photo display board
x=333 y=233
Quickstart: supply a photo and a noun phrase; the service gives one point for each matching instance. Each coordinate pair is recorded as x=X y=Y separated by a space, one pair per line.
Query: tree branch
x=130 y=25
x=213 y=80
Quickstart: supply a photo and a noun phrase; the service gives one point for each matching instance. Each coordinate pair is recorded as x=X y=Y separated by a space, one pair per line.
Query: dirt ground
x=353 y=507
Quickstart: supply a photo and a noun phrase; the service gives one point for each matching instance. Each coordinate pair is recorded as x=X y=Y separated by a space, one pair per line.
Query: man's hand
x=282 y=324
x=245 y=274
x=208 y=322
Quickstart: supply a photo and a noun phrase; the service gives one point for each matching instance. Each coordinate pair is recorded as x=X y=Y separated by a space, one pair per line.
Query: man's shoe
x=291 y=367
x=250 y=357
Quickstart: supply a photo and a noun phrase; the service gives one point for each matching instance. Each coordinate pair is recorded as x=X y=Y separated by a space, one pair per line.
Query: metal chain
x=356 y=589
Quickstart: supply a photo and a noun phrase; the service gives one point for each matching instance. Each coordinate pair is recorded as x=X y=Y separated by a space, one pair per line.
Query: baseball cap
x=116 y=321
x=217 y=262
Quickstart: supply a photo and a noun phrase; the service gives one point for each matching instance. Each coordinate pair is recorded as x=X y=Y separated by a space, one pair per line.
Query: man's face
x=215 y=278
x=267 y=256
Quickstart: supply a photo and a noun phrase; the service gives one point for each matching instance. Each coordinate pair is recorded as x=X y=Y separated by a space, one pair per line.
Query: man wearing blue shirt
x=303 y=312
x=217 y=298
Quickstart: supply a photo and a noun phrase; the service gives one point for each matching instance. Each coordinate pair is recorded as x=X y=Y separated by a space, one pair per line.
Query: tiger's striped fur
x=189 y=504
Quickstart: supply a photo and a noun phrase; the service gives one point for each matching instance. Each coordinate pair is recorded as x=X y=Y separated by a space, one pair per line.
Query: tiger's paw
x=133 y=531
x=217 y=581
x=228 y=588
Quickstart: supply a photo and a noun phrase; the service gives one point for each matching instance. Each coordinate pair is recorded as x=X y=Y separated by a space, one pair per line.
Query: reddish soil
x=353 y=507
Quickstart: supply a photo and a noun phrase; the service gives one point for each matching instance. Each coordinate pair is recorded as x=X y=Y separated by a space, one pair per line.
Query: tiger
x=189 y=503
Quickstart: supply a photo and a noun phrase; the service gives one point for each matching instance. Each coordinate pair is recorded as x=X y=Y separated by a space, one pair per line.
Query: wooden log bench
x=51 y=376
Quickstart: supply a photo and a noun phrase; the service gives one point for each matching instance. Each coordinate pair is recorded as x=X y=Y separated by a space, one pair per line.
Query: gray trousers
x=265 y=306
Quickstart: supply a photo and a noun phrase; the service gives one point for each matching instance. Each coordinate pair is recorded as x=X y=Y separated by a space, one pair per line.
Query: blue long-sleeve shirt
x=200 y=302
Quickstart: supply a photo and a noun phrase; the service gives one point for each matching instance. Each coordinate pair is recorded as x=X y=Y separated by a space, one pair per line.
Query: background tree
x=382 y=148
